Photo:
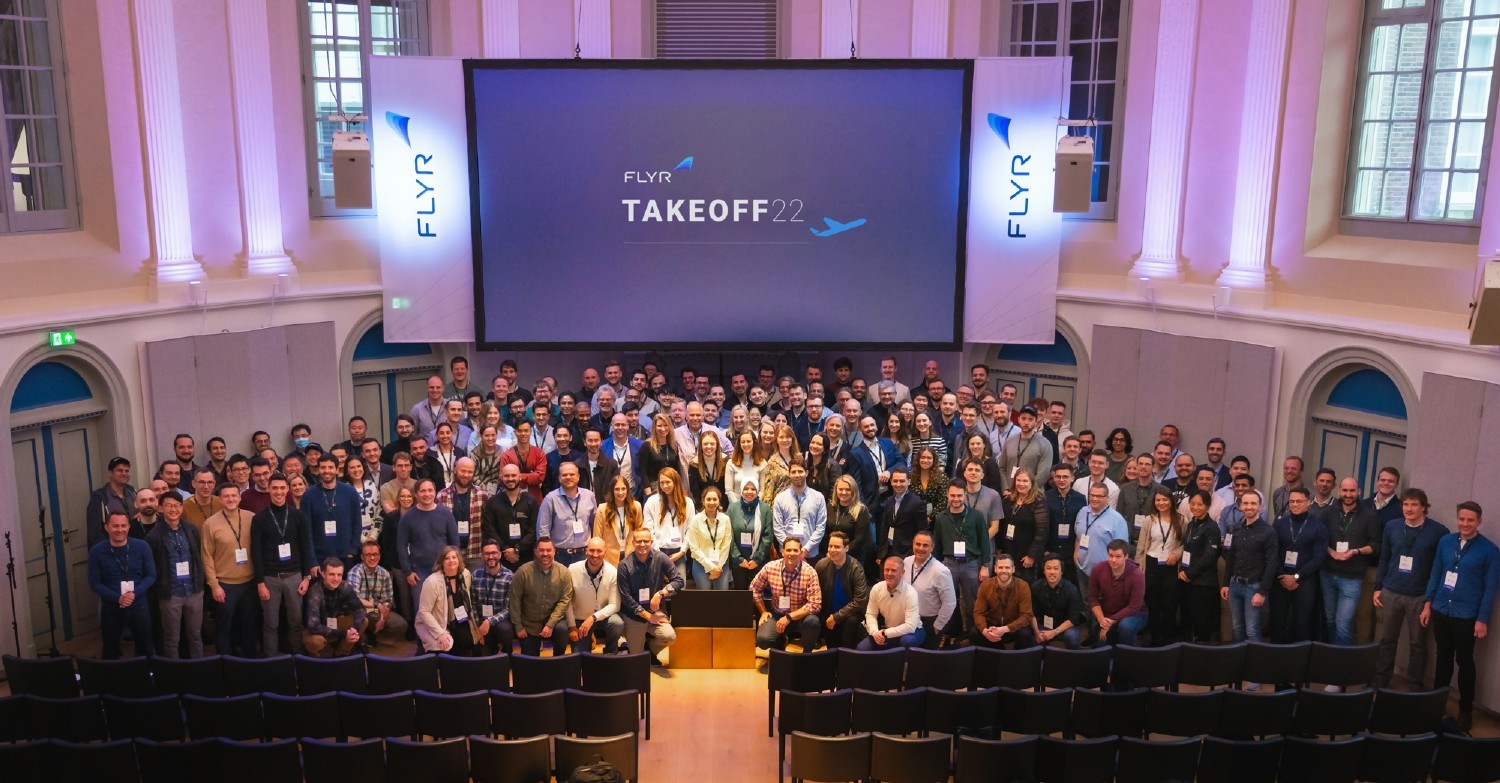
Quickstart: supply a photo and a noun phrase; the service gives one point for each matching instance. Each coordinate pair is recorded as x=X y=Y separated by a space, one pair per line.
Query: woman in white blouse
x=446 y=611
x=708 y=542
x=369 y=498
x=667 y=514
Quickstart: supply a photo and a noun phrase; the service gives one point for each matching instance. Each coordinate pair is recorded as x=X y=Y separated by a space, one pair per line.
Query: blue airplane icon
x=835 y=227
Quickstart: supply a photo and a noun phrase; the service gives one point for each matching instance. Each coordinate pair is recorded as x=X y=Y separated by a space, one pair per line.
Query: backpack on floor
x=600 y=771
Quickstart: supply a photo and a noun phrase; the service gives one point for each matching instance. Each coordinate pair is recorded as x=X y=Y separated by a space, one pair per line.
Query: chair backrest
x=871 y=670
x=1282 y=664
x=1399 y=759
x=1239 y=761
x=95 y=761
x=276 y=761
x=1211 y=666
x=466 y=675
x=1245 y=715
x=443 y=761
x=951 y=669
x=1346 y=666
x=1466 y=759
x=830 y=758
x=1320 y=761
x=1035 y=712
x=391 y=675
x=622 y=751
x=535 y=674
x=198 y=676
x=452 y=714
x=959 y=712
x=614 y=673
x=324 y=675
x=1148 y=761
x=1146 y=667
x=824 y=714
x=1064 y=668
x=50 y=677
x=806 y=672
x=516 y=715
x=988 y=761
x=301 y=716
x=889 y=712
x=343 y=762
x=76 y=719
x=1183 y=714
x=234 y=717
x=1400 y=712
x=600 y=714
x=1332 y=714
x=277 y=674
x=1102 y=713
x=14 y=725
x=509 y=761
x=902 y=760
x=385 y=715
x=1076 y=761
x=168 y=762
x=1020 y=669
x=128 y=677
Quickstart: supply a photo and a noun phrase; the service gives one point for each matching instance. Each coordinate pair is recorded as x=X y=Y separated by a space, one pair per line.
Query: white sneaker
x=1333 y=689
x=1252 y=686
x=762 y=653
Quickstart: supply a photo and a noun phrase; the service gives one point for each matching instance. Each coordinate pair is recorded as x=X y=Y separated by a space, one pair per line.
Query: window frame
x=14 y=222
x=1408 y=226
x=1105 y=210
x=320 y=206
x=779 y=44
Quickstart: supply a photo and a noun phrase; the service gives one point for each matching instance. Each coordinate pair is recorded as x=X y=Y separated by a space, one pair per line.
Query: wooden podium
x=715 y=630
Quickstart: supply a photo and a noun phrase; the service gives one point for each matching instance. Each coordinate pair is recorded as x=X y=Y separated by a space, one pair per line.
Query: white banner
x=420 y=147
x=1010 y=285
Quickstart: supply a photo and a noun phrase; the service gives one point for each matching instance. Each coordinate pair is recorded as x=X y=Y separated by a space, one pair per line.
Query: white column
x=1260 y=144
x=593 y=28
x=500 y=25
x=840 y=26
x=1171 y=115
x=255 y=138
x=161 y=127
x=929 y=28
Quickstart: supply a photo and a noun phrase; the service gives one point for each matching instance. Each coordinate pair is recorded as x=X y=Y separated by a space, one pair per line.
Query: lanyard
x=1296 y=531
x=786 y=583
x=594 y=580
x=232 y=528
x=1459 y=550
x=916 y=573
x=573 y=506
x=281 y=524
x=1162 y=531
x=1088 y=522
x=713 y=532
x=179 y=544
x=621 y=452
x=331 y=498
x=123 y=563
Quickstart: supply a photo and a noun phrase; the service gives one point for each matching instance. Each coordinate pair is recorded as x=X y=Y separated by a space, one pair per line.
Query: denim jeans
x=913 y=639
x=1243 y=616
x=702 y=582
x=1128 y=630
x=1340 y=600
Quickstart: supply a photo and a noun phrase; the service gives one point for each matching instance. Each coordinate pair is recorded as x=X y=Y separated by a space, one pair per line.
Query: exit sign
x=61 y=339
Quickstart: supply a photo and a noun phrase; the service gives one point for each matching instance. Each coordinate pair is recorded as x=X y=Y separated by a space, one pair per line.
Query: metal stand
x=10 y=575
x=41 y=518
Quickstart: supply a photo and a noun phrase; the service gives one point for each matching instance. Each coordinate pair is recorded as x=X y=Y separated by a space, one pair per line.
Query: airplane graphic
x=835 y=227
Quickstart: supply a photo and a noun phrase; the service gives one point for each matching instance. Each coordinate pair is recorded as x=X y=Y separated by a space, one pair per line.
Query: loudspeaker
x=1075 y=174
x=351 y=171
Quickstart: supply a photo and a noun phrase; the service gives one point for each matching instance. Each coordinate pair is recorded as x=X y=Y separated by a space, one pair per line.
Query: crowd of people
x=518 y=517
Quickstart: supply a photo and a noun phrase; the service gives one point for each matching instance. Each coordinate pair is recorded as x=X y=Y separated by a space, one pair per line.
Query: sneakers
x=655 y=661
x=1333 y=689
x=1252 y=686
x=762 y=653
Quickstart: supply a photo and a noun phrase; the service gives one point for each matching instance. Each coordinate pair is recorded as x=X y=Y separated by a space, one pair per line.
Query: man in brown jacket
x=1002 y=611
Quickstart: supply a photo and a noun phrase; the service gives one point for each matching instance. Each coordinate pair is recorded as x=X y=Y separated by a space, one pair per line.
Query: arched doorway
x=59 y=442
x=1356 y=424
x=389 y=378
x=1049 y=371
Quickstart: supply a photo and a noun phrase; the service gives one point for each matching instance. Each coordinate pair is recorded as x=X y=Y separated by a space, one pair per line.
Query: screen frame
x=963 y=66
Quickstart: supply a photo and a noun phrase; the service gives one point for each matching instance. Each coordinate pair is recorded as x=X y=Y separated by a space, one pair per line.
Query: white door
x=1354 y=450
x=381 y=396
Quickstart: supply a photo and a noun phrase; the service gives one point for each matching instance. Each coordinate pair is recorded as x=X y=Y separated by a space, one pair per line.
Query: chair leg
x=648 y=716
x=771 y=713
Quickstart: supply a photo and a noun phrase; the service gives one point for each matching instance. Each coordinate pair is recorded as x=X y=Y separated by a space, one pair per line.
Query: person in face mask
x=301 y=436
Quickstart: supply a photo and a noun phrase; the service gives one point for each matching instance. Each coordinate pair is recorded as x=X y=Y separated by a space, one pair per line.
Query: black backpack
x=600 y=771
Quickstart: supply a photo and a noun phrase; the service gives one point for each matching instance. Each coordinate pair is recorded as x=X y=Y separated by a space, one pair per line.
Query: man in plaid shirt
x=796 y=600
x=492 y=593
x=372 y=584
x=466 y=500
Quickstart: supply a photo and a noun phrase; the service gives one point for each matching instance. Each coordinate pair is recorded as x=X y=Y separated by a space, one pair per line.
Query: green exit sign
x=61 y=339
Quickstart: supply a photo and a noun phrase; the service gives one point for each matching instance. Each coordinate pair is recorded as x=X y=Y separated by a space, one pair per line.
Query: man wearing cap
x=1027 y=450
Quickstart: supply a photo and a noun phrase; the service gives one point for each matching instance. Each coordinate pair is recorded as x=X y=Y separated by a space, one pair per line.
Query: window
x=1424 y=101
x=1092 y=33
x=34 y=143
x=342 y=35
x=716 y=29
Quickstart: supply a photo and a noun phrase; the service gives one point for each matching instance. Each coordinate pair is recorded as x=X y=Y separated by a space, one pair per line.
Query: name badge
x=1187 y=558
x=284 y=551
x=330 y=527
x=890 y=534
x=784 y=603
x=644 y=594
x=1063 y=531
x=183 y=571
x=1450 y=580
x=460 y=614
x=1405 y=565
x=929 y=509
x=486 y=610
x=960 y=549
x=463 y=528
x=241 y=556
x=1228 y=541
x=577 y=526
x=1010 y=531
x=1290 y=561
x=1342 y=546
x=1141 y=520
x=1013 y=472
x=1083 y=542
x=332 y=623
x=1048 y=623
x=515 y=530
x=127 y=586
x=799 y=529
x=747 y=539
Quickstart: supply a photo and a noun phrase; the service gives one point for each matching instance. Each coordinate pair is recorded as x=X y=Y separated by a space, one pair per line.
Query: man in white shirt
x=431 y=410
x=595 y=610
x=888 y=373
x=891 y=617
x=1098 y=463
x=800 y=512
x=933 y=584
x=688 y=434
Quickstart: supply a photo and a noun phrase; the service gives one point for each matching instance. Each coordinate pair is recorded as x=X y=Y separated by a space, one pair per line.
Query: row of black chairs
x=340 y=716
x=1170 y=666
x=455 y=760
x=1137 y=713
x=872 y=756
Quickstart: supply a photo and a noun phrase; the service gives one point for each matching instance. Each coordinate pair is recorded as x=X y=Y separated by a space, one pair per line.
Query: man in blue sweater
x=1302 y=546
x=121 y=572
x=1460 y=599
x=333 y=514
x=1407 y=549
